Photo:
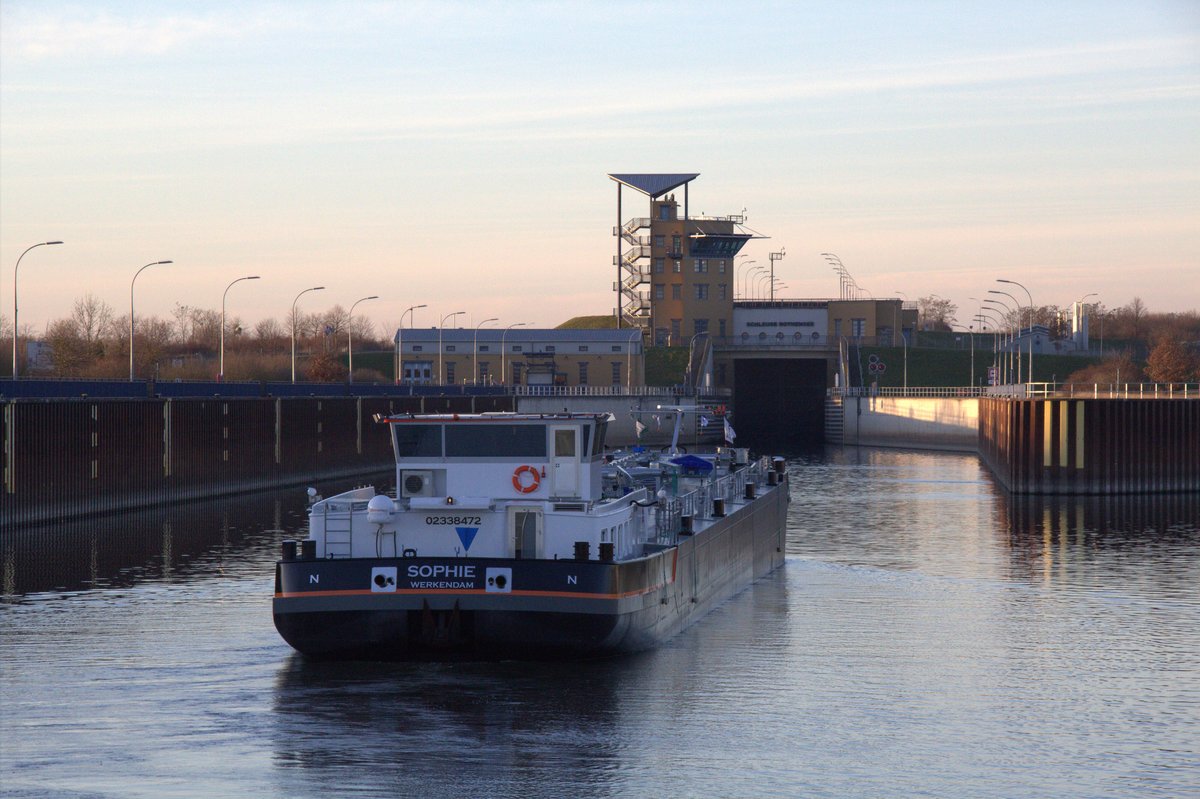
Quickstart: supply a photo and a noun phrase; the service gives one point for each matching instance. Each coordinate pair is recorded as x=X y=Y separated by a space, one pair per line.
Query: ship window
x=601 y=430
x=495 y=441
x=418 y=440
x=564 y=443
x=587 y=433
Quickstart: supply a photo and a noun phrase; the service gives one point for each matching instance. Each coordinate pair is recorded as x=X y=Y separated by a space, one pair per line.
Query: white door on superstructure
x=525 y=531
x=564 y=461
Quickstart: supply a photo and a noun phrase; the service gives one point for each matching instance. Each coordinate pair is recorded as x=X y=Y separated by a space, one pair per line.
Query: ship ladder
x=835 y=420
x=338 y=534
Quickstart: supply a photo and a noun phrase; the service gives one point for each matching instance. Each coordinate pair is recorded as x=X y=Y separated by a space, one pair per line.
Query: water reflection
x=1110 y=540
x=406 y=723
x=625 y=726
x=201 y=538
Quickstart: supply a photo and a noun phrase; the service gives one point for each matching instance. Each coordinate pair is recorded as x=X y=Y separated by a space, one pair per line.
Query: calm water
x=928 y=637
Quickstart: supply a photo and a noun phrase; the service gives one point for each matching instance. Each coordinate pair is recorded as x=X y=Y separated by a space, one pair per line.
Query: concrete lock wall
x=1092 y=446
x=64 y=458
x=940 y=423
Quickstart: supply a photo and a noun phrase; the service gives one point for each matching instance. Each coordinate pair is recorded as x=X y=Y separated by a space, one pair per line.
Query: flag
x=657 y=421
x=704 y=421
x=637 y=425
x=729 y=434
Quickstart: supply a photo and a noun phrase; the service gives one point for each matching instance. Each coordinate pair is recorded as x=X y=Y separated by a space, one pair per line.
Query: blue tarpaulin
x=692 y=465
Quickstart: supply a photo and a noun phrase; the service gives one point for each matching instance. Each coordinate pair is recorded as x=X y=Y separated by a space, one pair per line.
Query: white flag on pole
x=729 y=434
x=637 y=424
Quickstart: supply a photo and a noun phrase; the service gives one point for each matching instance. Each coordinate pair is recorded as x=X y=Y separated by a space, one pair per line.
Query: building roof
x=521 y=335
x=654 y=184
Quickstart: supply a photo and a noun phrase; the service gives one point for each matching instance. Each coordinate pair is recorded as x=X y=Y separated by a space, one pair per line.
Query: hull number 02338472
x=455 y=520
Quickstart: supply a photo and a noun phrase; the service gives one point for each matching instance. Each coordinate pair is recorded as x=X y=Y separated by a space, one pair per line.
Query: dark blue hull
x=482 y=609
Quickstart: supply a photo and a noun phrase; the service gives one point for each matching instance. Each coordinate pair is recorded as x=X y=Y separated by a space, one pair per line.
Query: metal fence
x=1066 y=390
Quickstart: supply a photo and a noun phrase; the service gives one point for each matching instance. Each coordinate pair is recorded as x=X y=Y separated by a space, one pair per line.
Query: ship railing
x=337 y=524
x=667 y=515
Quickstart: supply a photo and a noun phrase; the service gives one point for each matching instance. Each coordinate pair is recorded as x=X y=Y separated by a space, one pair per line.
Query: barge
x=517 y=536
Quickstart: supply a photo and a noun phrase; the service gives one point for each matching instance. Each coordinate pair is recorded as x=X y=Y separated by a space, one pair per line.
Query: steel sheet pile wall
x=63 y=458
x=1092 y=446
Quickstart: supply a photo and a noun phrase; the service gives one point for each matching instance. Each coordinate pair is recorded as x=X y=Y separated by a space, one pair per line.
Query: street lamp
x=298 y=296
x=441 y=371
x=969 y=330
x=503 y=351
x=475 y=348
x=748 y=279
x=15 y=268
x=629 y=360
x=1005 y=321
x=1030 y=298
x=221 y=370
x=350 y=334
x=766 y=279
x=1017 y=303
x=399 y=340
x=131 y=282
x=735 y=273
x=773 y=257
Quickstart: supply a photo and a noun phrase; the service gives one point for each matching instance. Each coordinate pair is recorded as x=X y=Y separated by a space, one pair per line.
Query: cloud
x=78 y=32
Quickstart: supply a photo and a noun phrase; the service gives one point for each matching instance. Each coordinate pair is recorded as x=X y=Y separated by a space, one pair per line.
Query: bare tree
x=334 y=320
x=92 y=317
x=72 y=351
x=935 y=312
x=1135 y=311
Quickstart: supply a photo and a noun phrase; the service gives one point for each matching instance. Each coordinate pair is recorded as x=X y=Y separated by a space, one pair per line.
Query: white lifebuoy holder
x=521 y=485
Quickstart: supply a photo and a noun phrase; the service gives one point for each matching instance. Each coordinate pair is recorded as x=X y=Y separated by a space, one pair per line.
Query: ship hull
x=484 y=609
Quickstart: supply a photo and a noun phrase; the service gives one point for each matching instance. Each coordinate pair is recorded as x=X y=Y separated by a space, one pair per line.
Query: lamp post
x=350 y=335
x=1005 y=325
x=399 y=341
x=748 y=279
x=773 y=257
x=221 y=370
x=768 y=282
x=503 y=351
x=1009 y=336
x=629 y=360
x=441 y=371
x=1030 y=298
x=984 y=321
x=735 y=273
x=15 y=268
x=475 y=349
x=969 y=330
x=838 y=267
x=131 y=282
x=1014 y=336
x=1017 y=303
x=298 y=296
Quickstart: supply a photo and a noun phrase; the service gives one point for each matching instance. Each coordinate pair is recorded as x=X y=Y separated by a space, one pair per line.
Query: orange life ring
x=526 y=489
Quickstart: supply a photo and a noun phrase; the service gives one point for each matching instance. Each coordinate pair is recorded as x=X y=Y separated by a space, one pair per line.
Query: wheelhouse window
x=495 y=440
x=417 y=440
x=598 y=441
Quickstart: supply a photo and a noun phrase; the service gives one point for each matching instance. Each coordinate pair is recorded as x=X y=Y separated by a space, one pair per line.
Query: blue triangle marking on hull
x=467 y=536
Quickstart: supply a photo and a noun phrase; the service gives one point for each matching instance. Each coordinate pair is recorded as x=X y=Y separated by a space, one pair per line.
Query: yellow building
x=675 y=270
x=520 y=356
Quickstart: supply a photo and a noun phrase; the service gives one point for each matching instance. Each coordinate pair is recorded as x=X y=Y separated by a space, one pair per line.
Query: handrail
x=615 y=391
x=1042 y=390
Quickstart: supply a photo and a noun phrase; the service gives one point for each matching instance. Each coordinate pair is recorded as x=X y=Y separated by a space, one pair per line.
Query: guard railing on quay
x=1022 y=390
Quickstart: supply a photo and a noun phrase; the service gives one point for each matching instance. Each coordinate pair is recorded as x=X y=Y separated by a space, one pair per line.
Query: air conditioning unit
x=416 y=483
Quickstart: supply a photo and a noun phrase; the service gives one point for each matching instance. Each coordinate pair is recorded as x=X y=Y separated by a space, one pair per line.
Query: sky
x=456 y=155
